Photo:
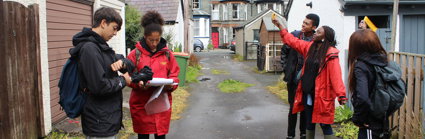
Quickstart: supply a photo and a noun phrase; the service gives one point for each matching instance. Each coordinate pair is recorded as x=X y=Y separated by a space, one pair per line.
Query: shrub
x=133 y=28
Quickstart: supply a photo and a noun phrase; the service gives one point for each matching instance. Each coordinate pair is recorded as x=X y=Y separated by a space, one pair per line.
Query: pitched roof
x=167 y=8
x=258 y=16
x=199 y=12
x=270 y=26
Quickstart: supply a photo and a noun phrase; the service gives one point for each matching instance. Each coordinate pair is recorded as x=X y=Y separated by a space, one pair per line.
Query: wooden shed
x=272 y=44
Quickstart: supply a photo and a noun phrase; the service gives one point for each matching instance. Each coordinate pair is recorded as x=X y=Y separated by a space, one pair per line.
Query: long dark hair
x=317 y=55
x=362 y=41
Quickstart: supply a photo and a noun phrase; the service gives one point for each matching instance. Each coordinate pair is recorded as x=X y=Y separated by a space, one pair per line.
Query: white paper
x=160 y=82
x=158 y=102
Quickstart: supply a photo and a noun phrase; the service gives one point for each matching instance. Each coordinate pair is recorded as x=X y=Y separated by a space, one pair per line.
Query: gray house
x=227 y=15
x=201 y=21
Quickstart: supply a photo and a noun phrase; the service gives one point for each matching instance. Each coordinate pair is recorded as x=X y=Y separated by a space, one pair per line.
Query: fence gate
x=408 y=119
x=20 y=73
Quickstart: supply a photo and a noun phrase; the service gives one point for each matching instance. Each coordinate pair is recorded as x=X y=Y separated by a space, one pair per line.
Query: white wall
x=117 y=42
x=331 y=16
x=177 y=29
x=44 y=61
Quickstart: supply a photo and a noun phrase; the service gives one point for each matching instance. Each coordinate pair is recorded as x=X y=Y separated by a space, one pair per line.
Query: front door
x=215 y=39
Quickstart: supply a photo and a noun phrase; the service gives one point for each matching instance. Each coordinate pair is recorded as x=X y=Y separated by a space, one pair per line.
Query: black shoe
x=289 y=137
x=302 y=136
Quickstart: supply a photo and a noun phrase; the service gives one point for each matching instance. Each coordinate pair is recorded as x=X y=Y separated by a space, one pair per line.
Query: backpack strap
x=138 y=53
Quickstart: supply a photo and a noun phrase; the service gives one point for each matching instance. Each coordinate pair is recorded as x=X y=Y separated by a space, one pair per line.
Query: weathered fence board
x=21 y=98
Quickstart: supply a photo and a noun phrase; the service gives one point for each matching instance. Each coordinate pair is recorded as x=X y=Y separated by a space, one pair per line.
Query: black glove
x=144 y=75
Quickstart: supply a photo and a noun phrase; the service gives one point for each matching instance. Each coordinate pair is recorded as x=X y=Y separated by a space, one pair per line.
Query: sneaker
x=289 y=137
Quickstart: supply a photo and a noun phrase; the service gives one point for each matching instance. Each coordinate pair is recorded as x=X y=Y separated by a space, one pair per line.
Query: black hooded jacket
x=364 y=76
x=102 y=113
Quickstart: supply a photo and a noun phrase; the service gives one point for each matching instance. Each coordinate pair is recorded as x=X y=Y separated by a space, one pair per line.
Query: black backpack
x=389 y=92
x=71 y=96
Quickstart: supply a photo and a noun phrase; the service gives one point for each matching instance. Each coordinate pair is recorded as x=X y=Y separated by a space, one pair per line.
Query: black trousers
x=369 y=134
x=146 y=136
x=292 y=118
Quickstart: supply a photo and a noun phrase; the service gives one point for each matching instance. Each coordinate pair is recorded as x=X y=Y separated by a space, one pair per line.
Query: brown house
x=272 y=44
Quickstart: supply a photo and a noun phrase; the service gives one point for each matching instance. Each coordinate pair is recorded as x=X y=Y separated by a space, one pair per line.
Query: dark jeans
x=326 y=128
x=376 y=134
x=292 y=118
x=146 y=136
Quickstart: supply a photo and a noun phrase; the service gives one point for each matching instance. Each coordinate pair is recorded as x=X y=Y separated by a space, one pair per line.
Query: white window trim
x=196 y=23
x=258 y=8
x=215 y=12
x=224 y=12
x=246 y=12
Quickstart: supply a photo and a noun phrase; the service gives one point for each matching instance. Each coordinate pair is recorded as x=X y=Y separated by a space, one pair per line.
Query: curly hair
x=152 y=21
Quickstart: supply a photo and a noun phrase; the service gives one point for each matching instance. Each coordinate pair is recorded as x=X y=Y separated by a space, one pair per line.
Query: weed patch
x=280 y=90
x=179 y=102
x=192 y=74
x=238 y=57
x=216 y=72
x=232 y=86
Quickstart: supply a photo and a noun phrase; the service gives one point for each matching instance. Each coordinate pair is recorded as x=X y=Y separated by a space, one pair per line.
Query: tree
x=133 y=28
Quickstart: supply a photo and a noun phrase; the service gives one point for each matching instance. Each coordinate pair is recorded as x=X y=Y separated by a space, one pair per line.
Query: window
x=234 y=33
x=215 y=12
x=224 y=12
x=256 y=34
x=207 y=27
x=235 y=11
x=378 y=21
x=269 y=5
x=196 y=29
x=196 y=4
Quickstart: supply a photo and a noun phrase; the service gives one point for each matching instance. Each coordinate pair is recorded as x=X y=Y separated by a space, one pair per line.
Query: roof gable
x=167 y=8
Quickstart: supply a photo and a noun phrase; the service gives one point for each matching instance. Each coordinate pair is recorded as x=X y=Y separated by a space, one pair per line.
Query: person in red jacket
x=321 y=80
x=156 y=55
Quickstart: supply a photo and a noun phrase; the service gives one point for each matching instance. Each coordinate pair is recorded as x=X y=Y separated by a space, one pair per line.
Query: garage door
x=65 y=18
x=413 y=34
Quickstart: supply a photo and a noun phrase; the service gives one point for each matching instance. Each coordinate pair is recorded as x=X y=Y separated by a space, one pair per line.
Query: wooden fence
x=409 y=118
x=20 y=73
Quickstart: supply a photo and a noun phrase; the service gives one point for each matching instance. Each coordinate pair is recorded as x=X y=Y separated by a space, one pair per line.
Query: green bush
x=210 y=46
x=343 y=114
x=133 y=28
x=347 y=131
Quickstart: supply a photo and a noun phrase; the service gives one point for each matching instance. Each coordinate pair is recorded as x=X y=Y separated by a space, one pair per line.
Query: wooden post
x=394 y=25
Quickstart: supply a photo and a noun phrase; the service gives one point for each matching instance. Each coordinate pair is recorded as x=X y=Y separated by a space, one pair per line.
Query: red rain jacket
x=158 y=123
x=329 y=84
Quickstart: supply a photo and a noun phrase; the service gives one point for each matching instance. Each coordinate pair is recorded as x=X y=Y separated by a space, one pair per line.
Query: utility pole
x=394 y=25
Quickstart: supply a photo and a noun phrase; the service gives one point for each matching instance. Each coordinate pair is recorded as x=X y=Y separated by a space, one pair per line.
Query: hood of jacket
x=373 y=59
x=144 y=48
x=87 y=35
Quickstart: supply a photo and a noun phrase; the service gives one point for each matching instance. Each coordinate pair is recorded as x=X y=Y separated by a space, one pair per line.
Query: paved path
x=253 y=114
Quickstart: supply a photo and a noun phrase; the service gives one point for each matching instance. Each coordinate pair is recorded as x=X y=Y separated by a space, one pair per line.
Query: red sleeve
x=336 y=77
x=132 y=58
x=300 y=46
x=174 y=70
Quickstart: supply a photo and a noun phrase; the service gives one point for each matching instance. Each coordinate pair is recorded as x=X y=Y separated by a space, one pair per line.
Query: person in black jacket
x=365 y=51
x=292 y=63
x=102 y=113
